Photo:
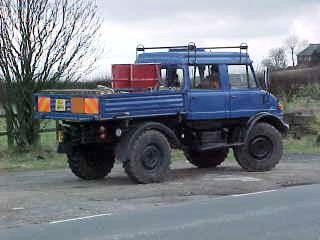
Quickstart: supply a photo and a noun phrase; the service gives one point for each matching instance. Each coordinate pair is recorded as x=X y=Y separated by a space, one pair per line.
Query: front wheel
x=262 y=150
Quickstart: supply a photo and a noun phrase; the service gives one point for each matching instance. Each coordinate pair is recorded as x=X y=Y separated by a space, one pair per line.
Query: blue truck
x=207 y=102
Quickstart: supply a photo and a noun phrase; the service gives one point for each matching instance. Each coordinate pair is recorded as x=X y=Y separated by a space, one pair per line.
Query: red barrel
x=145 y=75
x=121 y=75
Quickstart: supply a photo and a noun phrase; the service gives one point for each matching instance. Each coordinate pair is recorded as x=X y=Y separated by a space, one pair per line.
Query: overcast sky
x=262 y=24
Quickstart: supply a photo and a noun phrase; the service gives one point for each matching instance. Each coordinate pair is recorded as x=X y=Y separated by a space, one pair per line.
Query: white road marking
x=237 y=178
x=80 y=218
x=109 y=214
x=253 y=193
x=17 y=208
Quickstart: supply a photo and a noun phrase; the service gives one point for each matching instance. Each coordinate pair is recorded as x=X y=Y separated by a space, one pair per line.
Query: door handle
x=193 y=98
x=234 y=97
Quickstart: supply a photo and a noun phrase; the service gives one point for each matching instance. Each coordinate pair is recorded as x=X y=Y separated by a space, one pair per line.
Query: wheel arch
x=273 y=120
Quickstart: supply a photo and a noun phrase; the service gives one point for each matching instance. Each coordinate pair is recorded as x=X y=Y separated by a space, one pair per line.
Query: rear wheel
x=262 y=150
x=91 y=162
x=207 y=159
x=149 y=158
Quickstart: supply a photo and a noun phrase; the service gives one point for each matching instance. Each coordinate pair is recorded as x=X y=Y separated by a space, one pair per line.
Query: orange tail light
x=91 y=105
x=44 y=104
x=85 y=105
x=77 y=105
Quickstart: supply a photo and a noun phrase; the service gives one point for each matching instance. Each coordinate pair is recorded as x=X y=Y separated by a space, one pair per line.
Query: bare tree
x=41 y=42
x=293 y=44
x=267 y=62
x=277 y=59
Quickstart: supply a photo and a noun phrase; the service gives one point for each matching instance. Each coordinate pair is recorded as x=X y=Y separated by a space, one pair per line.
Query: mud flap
x=64 y=148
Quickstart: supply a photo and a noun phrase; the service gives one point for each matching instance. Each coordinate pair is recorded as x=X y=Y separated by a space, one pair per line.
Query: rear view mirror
x=267 y=79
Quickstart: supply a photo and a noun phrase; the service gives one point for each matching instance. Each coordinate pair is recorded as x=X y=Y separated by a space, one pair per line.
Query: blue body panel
x=115 y=106
x=207 y=104
x=194 y=104
x=143 y=105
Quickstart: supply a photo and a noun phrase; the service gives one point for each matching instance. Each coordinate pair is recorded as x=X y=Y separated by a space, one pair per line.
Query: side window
x=171 y=78
x=205 y=77
x=241 y=77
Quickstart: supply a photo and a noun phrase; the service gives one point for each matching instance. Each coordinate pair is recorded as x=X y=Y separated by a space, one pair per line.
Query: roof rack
x=242 y=47
x=191 y=47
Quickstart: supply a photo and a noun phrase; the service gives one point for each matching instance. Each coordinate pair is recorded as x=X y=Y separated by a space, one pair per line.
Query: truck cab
x=203 y=101
x=217 y=85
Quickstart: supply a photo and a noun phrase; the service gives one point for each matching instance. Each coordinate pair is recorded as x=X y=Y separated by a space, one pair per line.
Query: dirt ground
x=43 y=196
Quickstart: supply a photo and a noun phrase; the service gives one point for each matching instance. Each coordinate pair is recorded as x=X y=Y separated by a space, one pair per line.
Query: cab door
x=207 y=99
x=245 y=98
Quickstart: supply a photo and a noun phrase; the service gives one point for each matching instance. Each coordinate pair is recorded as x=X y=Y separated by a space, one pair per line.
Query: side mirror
x=267 y=79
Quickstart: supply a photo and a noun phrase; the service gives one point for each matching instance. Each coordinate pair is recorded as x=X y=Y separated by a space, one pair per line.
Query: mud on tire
x=149 y=158
x=262 y=150
x=91 y=162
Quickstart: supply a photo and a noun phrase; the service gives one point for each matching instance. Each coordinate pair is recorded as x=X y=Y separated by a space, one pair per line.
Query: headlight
x=280 y=106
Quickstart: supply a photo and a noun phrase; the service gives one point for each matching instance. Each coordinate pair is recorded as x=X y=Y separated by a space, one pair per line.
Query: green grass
x=306 y=144
x=307 y=105
x=299 y=104
x=42 y=158
x=307 y=101
x=2 y=125
x=177 y=155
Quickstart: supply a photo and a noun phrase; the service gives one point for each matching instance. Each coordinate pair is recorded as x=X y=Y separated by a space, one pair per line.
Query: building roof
x=310 y=50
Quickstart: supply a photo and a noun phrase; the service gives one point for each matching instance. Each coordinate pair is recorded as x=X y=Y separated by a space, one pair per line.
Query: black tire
x=207 y=159
x=91 y=162
x=263 y=149
x=149 y=158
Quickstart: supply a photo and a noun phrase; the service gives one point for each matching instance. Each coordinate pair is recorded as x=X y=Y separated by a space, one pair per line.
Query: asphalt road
x=39 y=197
x=291 y=213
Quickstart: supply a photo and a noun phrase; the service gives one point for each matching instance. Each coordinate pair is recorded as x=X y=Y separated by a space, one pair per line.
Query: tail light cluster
x=102 y=132
x=79 y=105
x=84 y=105
x=44 y=104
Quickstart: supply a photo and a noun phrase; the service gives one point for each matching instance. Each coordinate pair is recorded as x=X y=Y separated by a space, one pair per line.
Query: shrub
x=290 y=83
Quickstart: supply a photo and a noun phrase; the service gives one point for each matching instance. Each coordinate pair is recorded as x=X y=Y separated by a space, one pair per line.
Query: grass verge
x=306 y=145
x=36 y=160
x=43 y=158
